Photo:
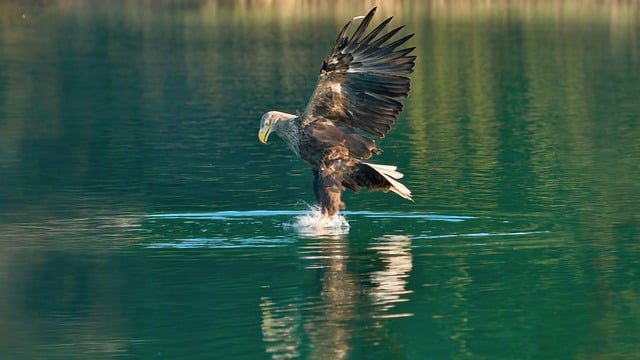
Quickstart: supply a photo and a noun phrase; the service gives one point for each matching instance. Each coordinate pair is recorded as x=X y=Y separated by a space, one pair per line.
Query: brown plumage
x=360 y=86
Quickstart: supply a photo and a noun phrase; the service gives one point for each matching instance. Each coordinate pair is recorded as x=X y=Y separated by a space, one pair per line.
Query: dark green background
x=141 y=218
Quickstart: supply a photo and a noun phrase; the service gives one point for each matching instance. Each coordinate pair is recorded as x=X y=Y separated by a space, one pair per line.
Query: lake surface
x=141 y=218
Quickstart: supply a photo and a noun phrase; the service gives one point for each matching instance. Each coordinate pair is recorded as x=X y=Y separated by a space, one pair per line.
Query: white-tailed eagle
x=360 y=88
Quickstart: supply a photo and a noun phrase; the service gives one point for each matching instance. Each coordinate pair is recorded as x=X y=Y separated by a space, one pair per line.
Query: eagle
x=360 y=90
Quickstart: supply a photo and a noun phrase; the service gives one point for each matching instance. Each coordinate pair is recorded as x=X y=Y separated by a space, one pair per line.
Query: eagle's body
x=359 y=87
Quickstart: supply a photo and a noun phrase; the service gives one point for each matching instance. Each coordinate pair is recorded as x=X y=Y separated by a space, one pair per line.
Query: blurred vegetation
x=515 y=90
x=516 y=106
x=509 y=94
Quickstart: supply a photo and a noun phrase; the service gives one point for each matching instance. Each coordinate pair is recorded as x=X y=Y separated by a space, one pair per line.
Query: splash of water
x=313 y=222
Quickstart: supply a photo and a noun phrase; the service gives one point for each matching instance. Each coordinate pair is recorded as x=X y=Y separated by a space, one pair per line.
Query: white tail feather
x=390 y=173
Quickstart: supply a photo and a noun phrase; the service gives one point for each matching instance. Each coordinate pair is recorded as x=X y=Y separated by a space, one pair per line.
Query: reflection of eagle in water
x=360 y=86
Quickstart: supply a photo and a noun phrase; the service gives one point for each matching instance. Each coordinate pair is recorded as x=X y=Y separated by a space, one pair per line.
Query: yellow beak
x=263 y=134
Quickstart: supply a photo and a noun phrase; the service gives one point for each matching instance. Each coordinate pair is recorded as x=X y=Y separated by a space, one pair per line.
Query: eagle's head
x=279 y=122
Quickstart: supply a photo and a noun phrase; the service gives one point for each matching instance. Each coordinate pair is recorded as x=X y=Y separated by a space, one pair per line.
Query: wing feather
x=375 y=32
x=362 y=83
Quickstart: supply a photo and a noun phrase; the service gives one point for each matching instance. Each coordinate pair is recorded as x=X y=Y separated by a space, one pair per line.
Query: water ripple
x=235 y=215
x=222 y=243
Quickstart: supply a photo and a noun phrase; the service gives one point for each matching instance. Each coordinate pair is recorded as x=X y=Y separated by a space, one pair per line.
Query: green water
x=141 y=218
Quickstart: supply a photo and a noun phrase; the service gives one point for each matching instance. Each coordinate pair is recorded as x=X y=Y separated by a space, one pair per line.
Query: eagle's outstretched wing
x=361 y=82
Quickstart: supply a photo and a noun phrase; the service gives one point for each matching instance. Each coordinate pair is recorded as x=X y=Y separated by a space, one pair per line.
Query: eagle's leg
x=316 y=185
x=327 y=189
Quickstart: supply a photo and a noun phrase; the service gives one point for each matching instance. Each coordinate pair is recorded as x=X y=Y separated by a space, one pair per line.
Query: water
x=141 y=218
